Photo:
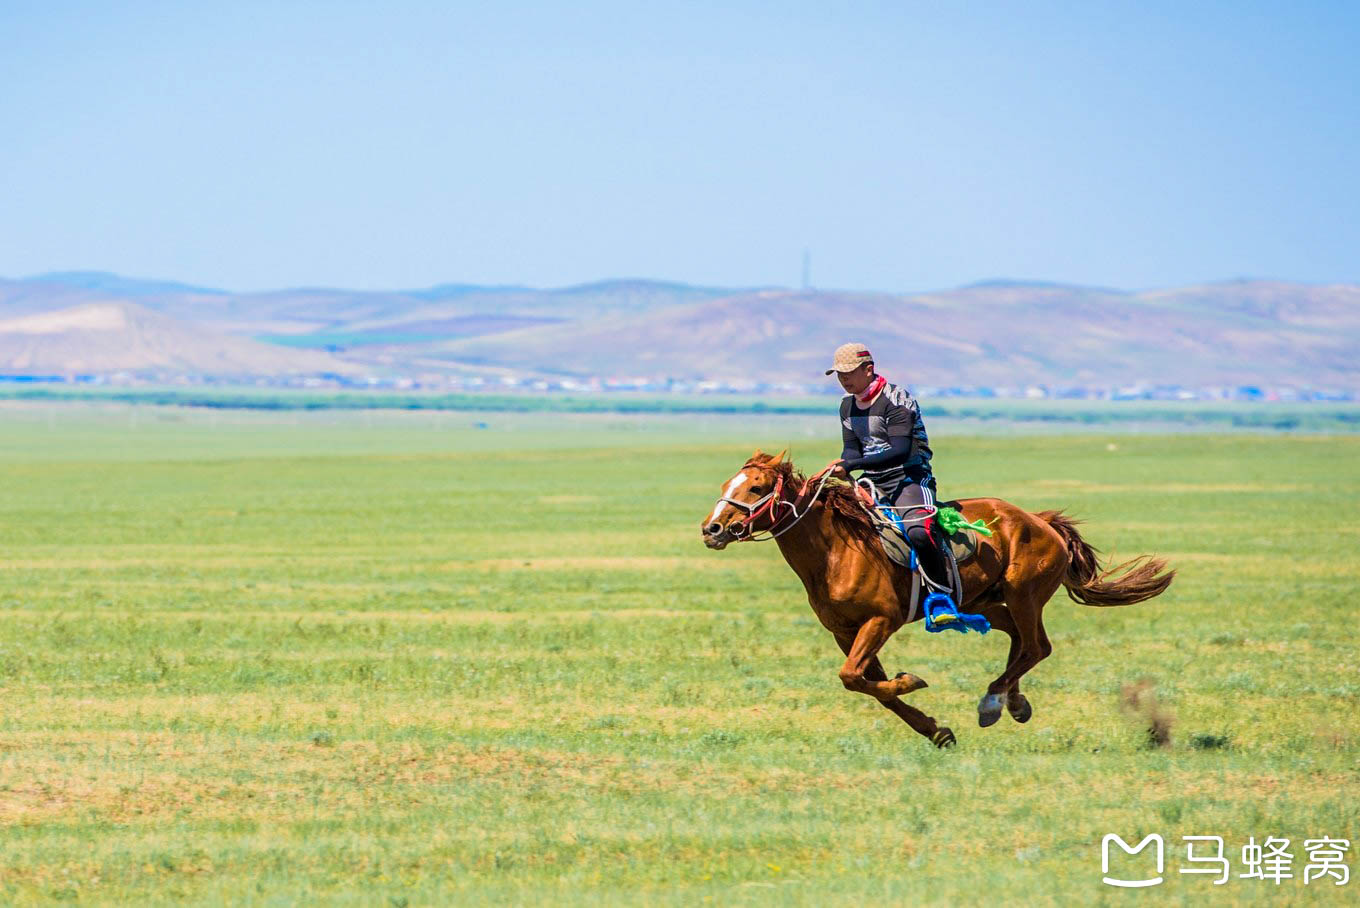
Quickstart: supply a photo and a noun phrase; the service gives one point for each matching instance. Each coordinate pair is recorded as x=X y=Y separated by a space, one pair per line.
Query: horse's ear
x=756 y=455
x=778 y=458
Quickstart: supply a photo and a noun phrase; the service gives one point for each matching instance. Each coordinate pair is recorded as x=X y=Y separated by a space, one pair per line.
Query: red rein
x=775 y=499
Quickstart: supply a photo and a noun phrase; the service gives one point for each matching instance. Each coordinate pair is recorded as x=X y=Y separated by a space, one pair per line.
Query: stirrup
x=943 y=615
x=940 y=612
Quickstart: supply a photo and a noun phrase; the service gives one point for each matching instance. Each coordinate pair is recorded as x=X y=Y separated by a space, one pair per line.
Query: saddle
x=940 y=612
x=963 y=544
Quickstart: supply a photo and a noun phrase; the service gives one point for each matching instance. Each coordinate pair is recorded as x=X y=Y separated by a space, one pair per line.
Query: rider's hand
x=837 y=469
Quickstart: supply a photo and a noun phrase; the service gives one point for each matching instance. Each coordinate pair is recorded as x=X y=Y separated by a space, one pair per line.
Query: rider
x=882 y=434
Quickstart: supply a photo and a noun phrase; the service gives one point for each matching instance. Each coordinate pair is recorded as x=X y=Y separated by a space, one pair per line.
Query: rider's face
x=855 y=382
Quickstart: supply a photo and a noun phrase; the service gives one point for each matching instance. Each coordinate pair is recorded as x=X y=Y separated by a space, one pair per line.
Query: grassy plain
x=401 y=659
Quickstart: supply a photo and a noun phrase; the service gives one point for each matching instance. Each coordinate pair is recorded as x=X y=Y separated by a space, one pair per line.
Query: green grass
x=388 y=659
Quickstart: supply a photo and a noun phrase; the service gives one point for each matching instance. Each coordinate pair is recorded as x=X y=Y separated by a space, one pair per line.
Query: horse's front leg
x=876 y=679
x=863 y=652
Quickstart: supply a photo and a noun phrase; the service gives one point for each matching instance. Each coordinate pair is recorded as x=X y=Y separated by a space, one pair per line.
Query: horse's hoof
x=943 y=738
x=907 y=682
x=989 y=710
x=1021 y=712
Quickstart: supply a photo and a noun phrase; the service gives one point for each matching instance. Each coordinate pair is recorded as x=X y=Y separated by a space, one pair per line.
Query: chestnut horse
x=862 y=597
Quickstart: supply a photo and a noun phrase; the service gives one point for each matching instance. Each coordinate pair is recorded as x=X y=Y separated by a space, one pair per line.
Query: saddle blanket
x=963 y=545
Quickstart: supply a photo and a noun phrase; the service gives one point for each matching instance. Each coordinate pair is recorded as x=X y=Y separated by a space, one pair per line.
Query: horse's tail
x=1123 y=584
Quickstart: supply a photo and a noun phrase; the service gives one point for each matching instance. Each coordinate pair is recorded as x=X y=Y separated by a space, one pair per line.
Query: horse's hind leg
x=1029 y=646
x=1006 y=688
x=939 y=735
x=1016 y=704
x=1003 y=689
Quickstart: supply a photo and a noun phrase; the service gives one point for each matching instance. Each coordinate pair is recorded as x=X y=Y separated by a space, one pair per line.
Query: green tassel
x=951 y=521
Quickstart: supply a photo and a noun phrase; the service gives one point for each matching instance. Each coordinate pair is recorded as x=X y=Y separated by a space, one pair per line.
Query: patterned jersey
x=866 y=429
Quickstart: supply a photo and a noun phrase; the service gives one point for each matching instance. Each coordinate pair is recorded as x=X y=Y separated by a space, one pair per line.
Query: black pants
x=920 y=493
x=914 y=493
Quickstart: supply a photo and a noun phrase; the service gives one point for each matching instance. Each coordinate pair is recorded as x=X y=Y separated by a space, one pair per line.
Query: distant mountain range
x=108 y=338
x=996 y=333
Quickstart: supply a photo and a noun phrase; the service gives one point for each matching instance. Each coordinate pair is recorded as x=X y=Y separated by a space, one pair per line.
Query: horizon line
x=73 y=276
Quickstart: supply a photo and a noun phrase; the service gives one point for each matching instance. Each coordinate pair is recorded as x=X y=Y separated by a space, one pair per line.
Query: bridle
x=770 y=502
x=756 y=508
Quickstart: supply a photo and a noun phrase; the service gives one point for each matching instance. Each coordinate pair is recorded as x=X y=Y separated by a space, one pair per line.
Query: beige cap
x=850 y=357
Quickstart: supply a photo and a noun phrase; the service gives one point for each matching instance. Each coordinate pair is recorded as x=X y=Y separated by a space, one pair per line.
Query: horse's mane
x=837 y=495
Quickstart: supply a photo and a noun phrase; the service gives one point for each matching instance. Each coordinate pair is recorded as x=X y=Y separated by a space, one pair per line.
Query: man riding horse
x=857 y=591
x=883 y=436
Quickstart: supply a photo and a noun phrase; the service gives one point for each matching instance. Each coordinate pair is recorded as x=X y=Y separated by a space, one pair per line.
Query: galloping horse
x=860 y=596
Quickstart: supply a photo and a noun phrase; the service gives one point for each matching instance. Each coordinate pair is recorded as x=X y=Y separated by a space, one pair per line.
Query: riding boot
x=946 y=558
x=929 y=555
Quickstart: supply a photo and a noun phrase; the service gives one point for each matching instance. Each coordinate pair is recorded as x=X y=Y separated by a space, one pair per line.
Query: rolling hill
x=992 y=334
x=110 y=337
x=301 y=311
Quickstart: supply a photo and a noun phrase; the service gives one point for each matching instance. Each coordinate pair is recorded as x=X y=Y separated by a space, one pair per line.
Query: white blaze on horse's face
x=732 y=486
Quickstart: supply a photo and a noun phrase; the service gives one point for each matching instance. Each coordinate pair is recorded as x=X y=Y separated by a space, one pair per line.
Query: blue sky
x=908 y=145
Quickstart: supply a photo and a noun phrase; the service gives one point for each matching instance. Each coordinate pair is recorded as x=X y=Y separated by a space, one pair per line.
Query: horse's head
x=747 y=498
